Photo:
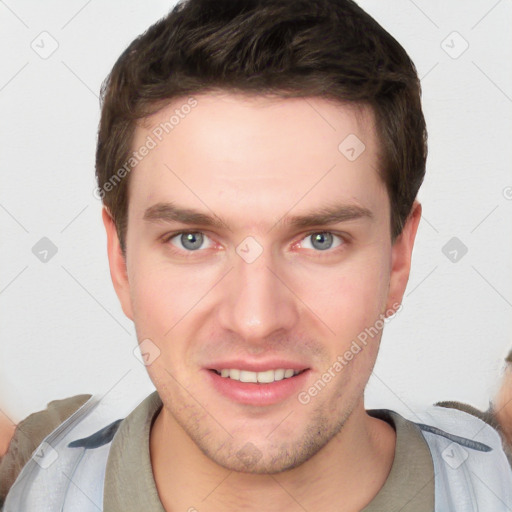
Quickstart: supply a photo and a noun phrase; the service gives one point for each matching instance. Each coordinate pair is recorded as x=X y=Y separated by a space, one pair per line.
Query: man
x=259 y=164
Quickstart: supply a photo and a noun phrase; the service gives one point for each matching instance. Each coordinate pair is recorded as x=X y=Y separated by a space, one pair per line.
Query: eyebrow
x=169 y=212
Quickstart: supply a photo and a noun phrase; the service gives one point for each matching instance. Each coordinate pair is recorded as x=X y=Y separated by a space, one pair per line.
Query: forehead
x=256 y=154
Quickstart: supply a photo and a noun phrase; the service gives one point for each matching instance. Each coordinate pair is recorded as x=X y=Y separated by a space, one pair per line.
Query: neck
x=344 y=476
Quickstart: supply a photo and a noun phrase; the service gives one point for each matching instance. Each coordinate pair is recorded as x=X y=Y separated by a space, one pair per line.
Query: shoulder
x=486 y=416
x=459 y=426
x=80 y=445
x=470 y=464
x=30 y=432
x=489 y=416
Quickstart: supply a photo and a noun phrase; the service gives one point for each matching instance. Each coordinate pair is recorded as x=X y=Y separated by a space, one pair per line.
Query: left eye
x=190 y=241
x=322 y=241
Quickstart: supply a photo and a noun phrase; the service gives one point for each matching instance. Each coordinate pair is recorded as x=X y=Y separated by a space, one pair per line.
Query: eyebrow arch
x=169 y=212
x=328 y=215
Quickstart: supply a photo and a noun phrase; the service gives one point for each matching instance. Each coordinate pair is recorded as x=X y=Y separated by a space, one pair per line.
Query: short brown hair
x=289 y=48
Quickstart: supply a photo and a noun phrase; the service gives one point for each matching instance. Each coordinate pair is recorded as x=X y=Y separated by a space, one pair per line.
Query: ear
x=401 y=254
x=117 y=264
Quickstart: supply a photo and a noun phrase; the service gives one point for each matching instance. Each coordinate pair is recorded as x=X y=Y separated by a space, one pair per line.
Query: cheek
x=165 y=301
x=347 y=298
x=151 y=303
x=162 y=294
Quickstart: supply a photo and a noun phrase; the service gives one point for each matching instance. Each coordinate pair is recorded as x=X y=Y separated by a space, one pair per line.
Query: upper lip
x=258 y=366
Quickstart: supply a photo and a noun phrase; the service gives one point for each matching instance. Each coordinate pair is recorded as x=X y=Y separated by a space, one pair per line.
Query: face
x=256 y=249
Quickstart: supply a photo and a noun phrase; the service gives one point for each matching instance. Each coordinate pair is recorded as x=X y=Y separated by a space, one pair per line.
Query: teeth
x=246 y=376
x=279 y=374
x=265 y=377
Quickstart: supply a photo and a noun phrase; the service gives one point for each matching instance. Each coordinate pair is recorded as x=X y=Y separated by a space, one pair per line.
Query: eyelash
x=328 y=252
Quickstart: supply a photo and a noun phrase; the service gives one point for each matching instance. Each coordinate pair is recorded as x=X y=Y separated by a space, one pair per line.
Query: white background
x=62 y=329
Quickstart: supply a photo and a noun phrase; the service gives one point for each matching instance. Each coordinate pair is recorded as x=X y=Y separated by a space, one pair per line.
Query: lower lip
x=251 y=393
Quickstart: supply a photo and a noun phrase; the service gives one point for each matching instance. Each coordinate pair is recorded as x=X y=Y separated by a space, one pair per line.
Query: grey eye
x=322 y=241
x=191 y=241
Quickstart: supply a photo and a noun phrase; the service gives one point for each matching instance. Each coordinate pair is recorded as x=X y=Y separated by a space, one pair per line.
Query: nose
x=256 y=299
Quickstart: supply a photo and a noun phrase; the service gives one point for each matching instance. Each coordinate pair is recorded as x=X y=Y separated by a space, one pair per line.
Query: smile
x=265 y=377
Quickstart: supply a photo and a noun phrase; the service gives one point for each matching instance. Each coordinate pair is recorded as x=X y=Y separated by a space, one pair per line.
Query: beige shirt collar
x=130 y=485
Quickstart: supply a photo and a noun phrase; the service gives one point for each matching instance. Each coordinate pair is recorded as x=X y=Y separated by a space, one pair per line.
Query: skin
x=503 y=406
x=7 y=429
x=253 y=161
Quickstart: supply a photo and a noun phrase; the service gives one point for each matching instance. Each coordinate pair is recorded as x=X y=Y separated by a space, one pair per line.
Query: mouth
x=268 y=386
x=264 y=377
